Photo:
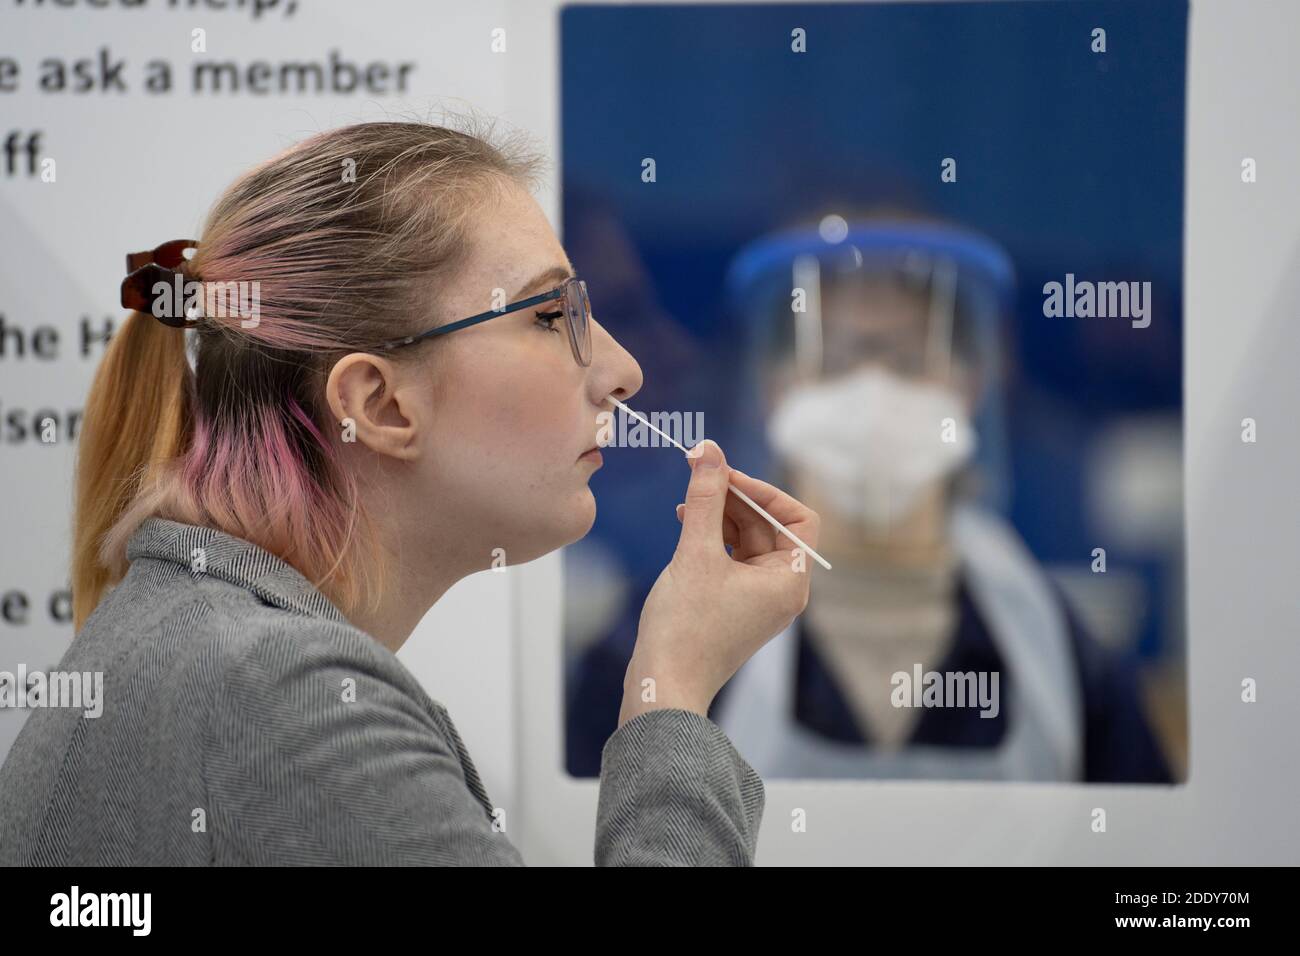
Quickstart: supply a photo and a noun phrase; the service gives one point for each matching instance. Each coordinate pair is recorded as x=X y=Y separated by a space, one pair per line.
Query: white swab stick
x=732 y=488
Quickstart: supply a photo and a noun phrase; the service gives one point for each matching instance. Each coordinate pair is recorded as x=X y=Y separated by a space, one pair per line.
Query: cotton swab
x=732 y=488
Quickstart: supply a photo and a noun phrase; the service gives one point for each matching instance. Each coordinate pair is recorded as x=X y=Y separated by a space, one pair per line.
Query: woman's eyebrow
x=550 y=278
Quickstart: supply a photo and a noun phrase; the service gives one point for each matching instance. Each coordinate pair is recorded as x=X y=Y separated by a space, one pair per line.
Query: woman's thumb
x=706 y=497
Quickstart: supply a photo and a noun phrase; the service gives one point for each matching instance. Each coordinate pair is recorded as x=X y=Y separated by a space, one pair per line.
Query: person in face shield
x=937 y=647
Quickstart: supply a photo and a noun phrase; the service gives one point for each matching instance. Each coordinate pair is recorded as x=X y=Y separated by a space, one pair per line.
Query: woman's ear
x=365 y=398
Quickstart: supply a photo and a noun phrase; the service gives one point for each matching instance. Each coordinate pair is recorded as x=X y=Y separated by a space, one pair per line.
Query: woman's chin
x=584 y=514
x=565 y=527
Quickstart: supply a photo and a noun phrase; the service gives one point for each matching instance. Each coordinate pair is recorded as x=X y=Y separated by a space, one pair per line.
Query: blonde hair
x=242 y=442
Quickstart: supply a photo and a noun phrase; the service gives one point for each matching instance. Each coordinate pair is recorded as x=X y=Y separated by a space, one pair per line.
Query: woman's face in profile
x=511 y=412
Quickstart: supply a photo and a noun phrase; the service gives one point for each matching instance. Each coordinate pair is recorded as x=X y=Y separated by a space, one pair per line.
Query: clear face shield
x=901 y=317
x=881 y=375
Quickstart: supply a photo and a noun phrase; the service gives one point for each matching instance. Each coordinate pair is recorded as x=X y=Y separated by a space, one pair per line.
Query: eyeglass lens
x=577 y=308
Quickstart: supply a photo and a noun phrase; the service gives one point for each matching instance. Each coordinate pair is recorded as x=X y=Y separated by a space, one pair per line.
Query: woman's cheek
x=524 y=405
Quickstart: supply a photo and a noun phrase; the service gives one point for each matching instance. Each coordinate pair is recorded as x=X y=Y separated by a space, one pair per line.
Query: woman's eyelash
x=549 y=318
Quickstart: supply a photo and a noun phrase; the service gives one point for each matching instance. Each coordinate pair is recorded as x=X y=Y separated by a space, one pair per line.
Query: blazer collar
x=232 y=559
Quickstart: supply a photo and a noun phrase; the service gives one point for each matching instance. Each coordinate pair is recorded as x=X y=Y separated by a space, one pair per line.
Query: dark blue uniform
x=1119 y=746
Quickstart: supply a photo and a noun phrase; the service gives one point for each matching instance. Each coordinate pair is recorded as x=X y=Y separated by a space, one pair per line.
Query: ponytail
x=138 y=417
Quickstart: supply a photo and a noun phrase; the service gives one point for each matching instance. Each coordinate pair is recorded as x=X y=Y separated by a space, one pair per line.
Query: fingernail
x=710 y=457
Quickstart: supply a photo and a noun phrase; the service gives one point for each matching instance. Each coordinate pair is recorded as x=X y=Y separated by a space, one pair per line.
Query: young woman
x=256 y=535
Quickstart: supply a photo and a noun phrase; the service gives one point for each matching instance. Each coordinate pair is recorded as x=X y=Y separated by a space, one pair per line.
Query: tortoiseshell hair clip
x=145 y=269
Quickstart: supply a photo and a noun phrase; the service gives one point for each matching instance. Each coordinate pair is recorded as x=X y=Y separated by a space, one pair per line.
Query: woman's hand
x=708 y=612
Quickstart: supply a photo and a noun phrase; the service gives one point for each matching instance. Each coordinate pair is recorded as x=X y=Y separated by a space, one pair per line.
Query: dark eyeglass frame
x=577 y=308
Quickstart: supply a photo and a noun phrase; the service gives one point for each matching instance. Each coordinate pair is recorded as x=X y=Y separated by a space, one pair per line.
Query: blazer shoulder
x=322 y=748
x=279 y=647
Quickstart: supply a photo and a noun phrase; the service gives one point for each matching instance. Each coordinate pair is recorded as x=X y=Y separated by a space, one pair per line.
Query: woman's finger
x=756 y=535
x=794 y=514
x=730 y=533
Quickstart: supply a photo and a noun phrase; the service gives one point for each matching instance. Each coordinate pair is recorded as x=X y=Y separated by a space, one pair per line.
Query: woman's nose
x=613 y=369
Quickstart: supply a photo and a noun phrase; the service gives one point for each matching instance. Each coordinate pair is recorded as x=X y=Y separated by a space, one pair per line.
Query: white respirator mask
x=873 y=440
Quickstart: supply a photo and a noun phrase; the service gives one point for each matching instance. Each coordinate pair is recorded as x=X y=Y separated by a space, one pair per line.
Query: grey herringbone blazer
x=226 y=738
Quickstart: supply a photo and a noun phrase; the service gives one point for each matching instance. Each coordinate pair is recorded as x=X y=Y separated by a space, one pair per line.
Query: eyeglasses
x=576 y=311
